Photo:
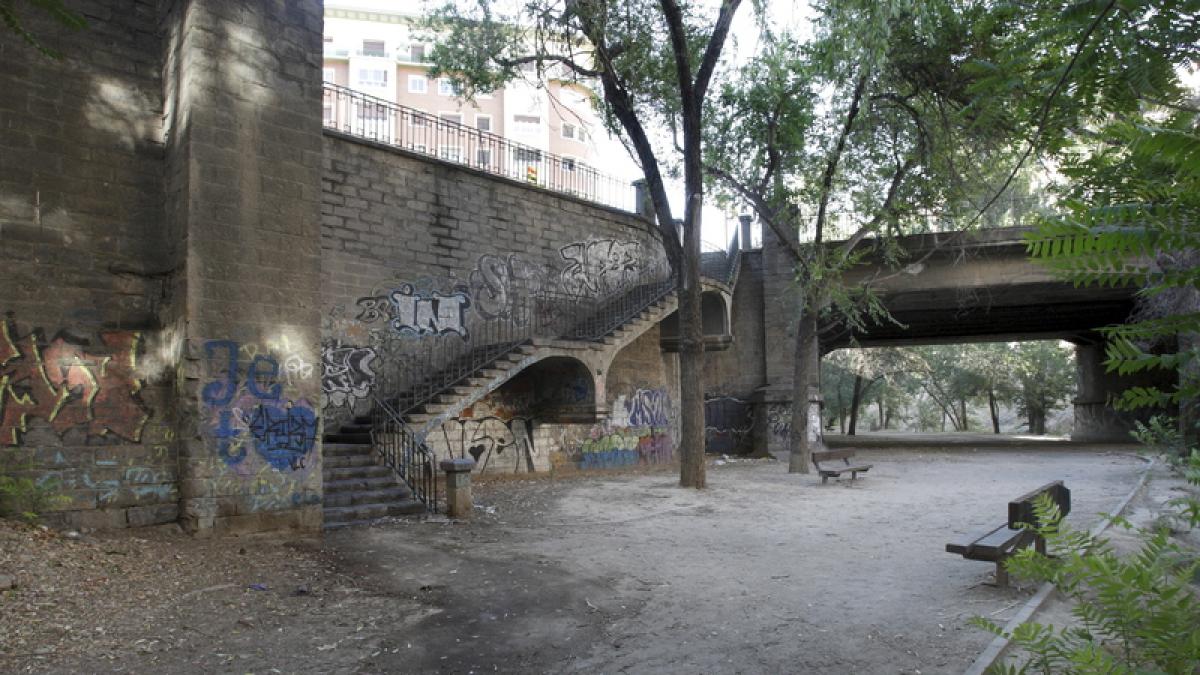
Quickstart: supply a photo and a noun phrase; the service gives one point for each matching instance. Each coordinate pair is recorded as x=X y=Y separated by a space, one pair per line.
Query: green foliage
x=55 y=9
x=1135 y=613
x=23 y=496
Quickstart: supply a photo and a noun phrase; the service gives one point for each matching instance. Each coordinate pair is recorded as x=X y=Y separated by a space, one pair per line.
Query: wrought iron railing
x=432 y=367
x=402 y=450
x=358 y=114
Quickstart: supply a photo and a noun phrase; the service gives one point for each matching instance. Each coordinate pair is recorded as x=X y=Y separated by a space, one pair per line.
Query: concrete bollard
x=458 y=486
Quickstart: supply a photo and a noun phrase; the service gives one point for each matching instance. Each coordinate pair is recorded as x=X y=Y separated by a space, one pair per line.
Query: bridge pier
x=1096 y=421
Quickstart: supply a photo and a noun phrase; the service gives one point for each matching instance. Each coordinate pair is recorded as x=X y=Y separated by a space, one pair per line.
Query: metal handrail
x=370 y=117
x=403 y=451
x=439 y=365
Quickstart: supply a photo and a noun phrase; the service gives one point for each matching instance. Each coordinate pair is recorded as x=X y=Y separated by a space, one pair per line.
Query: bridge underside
x=1051 y=310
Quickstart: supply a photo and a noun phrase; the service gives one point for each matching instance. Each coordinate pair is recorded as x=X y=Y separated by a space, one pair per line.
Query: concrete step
x=435 y=408
x=386 y=496
x=342 y=514
x=357 y=437
x=345 y=460
x=361 y=484
x=409 y=507
x=490 y=373
x=332 y=449
x=356 y=472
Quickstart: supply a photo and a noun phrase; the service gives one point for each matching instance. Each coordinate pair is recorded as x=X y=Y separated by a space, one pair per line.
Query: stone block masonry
x=84 y=391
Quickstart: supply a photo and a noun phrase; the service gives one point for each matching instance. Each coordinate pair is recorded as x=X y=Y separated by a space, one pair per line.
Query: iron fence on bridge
x=365 y=116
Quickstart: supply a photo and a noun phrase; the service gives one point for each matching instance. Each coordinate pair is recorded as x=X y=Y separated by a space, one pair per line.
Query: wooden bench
x=836 y=470
x=999 y=544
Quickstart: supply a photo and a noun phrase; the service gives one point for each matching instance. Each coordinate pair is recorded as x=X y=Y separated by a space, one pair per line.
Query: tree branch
x=836 y=156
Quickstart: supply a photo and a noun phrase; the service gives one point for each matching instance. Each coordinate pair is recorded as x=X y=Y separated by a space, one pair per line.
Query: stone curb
x=993 y=651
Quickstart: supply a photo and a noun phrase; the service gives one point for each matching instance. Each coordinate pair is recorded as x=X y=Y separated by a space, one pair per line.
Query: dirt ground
x=764 y=572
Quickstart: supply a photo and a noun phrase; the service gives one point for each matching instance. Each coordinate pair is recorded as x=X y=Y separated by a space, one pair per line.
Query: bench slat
x=1020 y=510
x=846 y=469
x=827 y=455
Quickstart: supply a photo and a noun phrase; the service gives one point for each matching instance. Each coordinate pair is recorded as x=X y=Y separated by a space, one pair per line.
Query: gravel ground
x=764 y=572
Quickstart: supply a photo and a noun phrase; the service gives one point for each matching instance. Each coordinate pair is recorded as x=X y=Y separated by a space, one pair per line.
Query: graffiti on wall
x=346 y=374
x=638 y=432
x=599 y=266
x=779 y=420
x=496 y=444
x=728 y=422
x=411 y=311
x=251 y=412
x=500 y=284
x=70 y=383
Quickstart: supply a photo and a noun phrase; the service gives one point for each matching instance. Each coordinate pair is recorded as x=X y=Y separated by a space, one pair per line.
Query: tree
x=1100 y=91
x=1047 y=380
x=871 y=119
x=655 y=61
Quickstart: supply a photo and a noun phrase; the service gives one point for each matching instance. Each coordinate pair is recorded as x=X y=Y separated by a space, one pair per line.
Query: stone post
x=641 y=198
x=745 y=220
x=458 y=486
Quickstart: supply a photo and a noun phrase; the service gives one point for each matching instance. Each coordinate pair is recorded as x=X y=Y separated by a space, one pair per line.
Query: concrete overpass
x=982 y=287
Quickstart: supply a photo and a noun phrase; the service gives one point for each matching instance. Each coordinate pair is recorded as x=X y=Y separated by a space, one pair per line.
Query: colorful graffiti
x=346 y=374
x=638 y=432
x=282 y=432
x=599 y=266
x=728 y=422
x=68 y=386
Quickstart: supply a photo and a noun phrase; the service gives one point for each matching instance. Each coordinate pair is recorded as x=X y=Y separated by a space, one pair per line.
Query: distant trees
x=940 y=387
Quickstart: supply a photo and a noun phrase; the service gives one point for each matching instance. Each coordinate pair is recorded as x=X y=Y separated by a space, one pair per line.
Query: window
x=568 y=164
x=450 y=153
x=483 y=122
x=329 y=74
x=373 y=48
x=416 y=53
x=527 y=124
x=372 y=77
x=526 y=155
x=453 y=118
x=372 y=112
x=418 y=119
x=417 y=84
x=420 y=147
x=327 y=113
x=570 y=131
x=483 y=156
x=446 y=87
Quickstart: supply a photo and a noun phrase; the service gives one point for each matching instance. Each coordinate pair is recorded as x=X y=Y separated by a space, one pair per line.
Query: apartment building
x=377 y=51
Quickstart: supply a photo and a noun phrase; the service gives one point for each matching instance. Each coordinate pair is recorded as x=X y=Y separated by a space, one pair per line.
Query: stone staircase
x=358 y=489
x=452 y=400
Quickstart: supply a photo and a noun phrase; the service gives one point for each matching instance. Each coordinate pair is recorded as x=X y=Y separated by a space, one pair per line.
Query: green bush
x=24 y=497
x=1136 y=614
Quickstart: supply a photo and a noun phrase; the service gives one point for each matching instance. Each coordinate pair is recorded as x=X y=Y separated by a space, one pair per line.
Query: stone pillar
x=1095 y=420
x=641 y=199
x=458 y=486
x=745 y=221
x=242 y=92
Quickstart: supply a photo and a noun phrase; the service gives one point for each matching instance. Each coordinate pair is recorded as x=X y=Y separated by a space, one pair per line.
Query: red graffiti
x=69 y=387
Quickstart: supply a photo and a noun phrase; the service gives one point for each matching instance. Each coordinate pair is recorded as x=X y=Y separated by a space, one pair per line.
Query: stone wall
x=244 y=127
x=421 y=257
x=83 y=387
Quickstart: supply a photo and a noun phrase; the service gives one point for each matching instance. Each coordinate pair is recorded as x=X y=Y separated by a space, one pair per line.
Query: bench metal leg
x=824 y=479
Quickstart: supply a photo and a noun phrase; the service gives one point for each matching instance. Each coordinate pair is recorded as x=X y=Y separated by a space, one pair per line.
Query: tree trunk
x=691 y=363
x=1189 y=376
x=855 y=402
x=964 y=421
x=1037 y=420
x=882 y=417
x=806 y=435
x=995 y=410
